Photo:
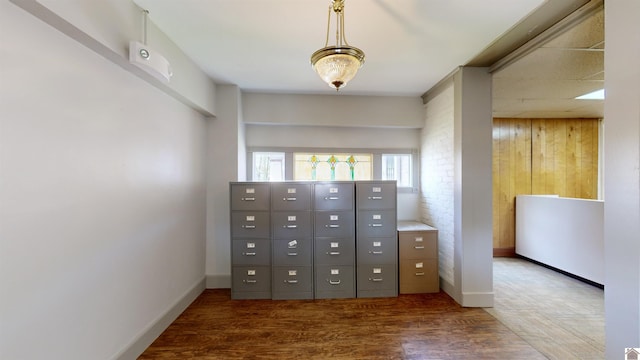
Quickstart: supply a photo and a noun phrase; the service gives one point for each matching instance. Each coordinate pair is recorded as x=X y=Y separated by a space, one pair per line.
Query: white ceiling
x=410 y=45
x=265 y=45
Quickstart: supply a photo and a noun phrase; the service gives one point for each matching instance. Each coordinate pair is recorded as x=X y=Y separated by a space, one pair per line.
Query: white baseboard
x=467 y=299
x=477 y=299
x=142 y=341
x=218 y=281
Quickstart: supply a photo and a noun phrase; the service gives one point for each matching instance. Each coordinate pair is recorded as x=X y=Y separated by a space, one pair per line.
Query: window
x=325 y=164
x=268 y=166
x=397 y=167
x=331 y=166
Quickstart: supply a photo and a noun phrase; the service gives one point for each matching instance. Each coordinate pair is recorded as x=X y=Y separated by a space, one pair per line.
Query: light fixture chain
x=344 y=37
x=338 y=29
x=326 y=43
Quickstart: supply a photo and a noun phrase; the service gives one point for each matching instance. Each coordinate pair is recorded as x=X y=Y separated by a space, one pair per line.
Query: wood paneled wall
x=540 y=156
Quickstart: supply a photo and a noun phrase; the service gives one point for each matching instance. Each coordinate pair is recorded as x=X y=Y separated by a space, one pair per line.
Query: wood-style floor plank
x=421 y=326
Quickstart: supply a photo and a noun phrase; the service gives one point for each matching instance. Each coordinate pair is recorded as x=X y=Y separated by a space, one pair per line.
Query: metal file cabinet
x=305 y=240
x=250 y=240
x=376 y=239
x=334 y=238
x=292 y=240
x=418 y=258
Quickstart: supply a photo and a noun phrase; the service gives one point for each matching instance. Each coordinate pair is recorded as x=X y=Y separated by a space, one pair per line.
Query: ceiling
x=410 y=45
x=544 y=83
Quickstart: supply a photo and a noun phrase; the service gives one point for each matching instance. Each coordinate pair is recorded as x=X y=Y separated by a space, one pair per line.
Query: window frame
x=376 y=160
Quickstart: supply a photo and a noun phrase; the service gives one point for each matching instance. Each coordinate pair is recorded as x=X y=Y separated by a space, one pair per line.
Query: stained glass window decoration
x=321 y=167
x=314 y=164
x=332 y=160
x=351 y=161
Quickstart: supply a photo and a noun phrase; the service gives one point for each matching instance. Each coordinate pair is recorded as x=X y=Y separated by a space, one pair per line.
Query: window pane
x=397 y=167
x=268 y=166
x=315 y=166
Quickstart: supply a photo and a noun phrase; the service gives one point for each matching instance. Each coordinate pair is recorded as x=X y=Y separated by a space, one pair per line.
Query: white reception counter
x=564 y=233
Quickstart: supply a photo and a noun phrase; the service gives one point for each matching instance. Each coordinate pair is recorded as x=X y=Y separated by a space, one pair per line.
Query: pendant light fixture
x=338 y=64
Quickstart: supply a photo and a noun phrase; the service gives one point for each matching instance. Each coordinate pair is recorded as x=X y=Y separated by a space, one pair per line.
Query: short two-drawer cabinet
x=250 y=241
x=418 y=258
x=292 y=241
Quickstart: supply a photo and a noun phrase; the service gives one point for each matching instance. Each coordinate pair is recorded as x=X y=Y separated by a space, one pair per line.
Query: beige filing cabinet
x=418 y=258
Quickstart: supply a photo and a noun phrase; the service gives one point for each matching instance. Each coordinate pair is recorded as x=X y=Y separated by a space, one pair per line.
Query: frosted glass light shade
x=337 y=65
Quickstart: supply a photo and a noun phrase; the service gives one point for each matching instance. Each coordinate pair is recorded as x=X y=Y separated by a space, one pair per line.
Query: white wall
x=622 y=176
x=333 y=110
x=331 y=137
x=102 y=198
x=437 y=176
x=223 y=159
x=107 y=27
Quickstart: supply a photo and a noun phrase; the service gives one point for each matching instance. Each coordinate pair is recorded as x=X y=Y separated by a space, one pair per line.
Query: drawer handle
x=291 y=281
x=250 y=281
x=418 y=247
x=249 y=199
x=375 y=252
x=290 y=226
x=332 y=198
x=375 y=197
x=334 y=253
x=375 y=225
x=292 y=254
x=333 y=226
x=334 y=282
x=248 y=226
x=249 y=253
x=375 y=279
x=419 y=274
x=289 y=199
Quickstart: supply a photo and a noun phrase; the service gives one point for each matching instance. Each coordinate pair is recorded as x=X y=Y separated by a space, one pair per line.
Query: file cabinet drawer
x=291 y=224
x=335 y=251
x=292 y=252
x=335 y=281
x=419 y=276
x=251 y=252
x=377 y=277
x=290 y=196
x=334 y=196
x=418 y=245
x=250 y=224
x=292 y=279
x=334 y=224
x=251 y=279
x=250 y=196
x=376 y=195
x=377 y=223
x=377 y=250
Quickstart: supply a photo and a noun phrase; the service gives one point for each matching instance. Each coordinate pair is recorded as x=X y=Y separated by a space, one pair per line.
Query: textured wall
x=437 y=180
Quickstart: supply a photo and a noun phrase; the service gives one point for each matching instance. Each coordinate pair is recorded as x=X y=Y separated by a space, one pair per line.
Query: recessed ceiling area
x=545 y=82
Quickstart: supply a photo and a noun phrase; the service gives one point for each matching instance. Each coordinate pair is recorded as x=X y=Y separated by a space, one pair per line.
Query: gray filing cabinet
x=376 y=239
x=250 y=240
x=334 y=238
x=418 y=258
x=292 y=241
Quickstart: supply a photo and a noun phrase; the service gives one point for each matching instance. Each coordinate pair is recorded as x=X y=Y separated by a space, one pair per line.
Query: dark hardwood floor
x=423 y=326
